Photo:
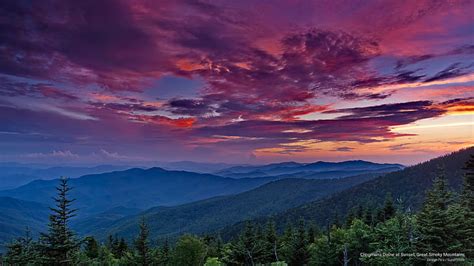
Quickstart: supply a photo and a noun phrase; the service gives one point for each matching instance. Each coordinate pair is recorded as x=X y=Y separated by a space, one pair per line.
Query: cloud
x=92 y=73
x=344 y=149
x=54 y=154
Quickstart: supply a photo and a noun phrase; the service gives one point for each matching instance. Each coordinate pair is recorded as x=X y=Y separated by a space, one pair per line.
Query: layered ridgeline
x=407 y=187
x=14 y=175
x=136 y=188
x=145 y=188
x=313 y=170
x=212 y=214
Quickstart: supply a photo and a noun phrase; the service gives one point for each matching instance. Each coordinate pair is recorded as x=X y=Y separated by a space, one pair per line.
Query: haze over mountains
x=407 y=186
x=136 y=188
x=13 y=175
x=176 y=202
x=212 y=214
x=337 y=169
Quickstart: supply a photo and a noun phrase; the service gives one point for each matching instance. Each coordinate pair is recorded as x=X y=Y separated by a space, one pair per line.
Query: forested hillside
x=212 y=214
x=16 y=215
x=407 y=186
x=441 y=231
x=136 y=188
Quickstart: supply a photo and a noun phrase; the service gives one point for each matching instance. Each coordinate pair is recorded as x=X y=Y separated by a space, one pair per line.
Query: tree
x=271 y=243
x=213 y=261
x=388 y=208
x=313 y=232
x=392 y=236
x=92 y=248
x=467 y=196
x=59 y=245
x=434 y=218
x=299 y=247
x=142 y=244
x=464 y=211
x=22 y=251
x=189 y=250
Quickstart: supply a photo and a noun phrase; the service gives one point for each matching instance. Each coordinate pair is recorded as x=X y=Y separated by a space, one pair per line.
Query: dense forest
x=441 y=233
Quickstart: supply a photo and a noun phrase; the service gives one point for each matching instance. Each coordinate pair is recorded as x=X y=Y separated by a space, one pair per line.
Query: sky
x=235 y=81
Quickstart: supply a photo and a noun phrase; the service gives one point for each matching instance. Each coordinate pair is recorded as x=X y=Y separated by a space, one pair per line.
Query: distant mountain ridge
x=294 y=167
x=408 y=185
x=136 y=188
x=15 y=175
x=212 y=214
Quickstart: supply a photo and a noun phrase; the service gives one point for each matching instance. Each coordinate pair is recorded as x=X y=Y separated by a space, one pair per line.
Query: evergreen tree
x=434 y=218
x=142 y=244
x=110 y=242
x=23 y=251
x=248 y=249
x=271 y=243
x=59 y=245
x=92 y=248
x=467 y=196
x=368 y=217
x=388 y=208
x=286 y=243
x=121 y=249
x=313 y=232
x=465 y=211
x=299 y=254
x=165 y=251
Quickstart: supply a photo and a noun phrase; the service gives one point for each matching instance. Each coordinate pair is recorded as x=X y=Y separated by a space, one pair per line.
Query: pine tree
x=166 y=252
x=467 y=196
x=142 y=244
x=110 y=242
x=271 y=243
x=368 y=217
x=466 y=210
x=300 y=254
x=59 y=244
x=286 y=241
x=23 y=251
x=92 y=248
x=313 y=232
x=388 y=208
x=122 y=248
x=433 y=220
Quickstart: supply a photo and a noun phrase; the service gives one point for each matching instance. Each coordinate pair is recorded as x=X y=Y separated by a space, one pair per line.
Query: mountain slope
x=409 y=185
x=212 y=214
x=136 y=188
x=16 y=215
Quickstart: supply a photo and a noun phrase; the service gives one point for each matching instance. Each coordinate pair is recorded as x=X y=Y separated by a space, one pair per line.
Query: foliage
x=189 y=250
x=444 y=224
x=59 y=245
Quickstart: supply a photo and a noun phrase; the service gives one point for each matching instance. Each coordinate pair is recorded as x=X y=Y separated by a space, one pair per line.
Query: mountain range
x=308 y=168
x=407 y=187
x=13 y=175
x=212 y=214
x=175 y=202
x=136 y=188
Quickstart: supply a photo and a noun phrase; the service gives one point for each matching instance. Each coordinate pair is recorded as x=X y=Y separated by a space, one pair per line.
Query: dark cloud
x=11 y=88
x=344 y=149
x=454 y=70
x=260 y=72
x=401 y=113
x=130 y=107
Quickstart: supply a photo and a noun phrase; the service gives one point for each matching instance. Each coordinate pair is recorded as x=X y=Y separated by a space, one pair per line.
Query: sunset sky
x=235 y=81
